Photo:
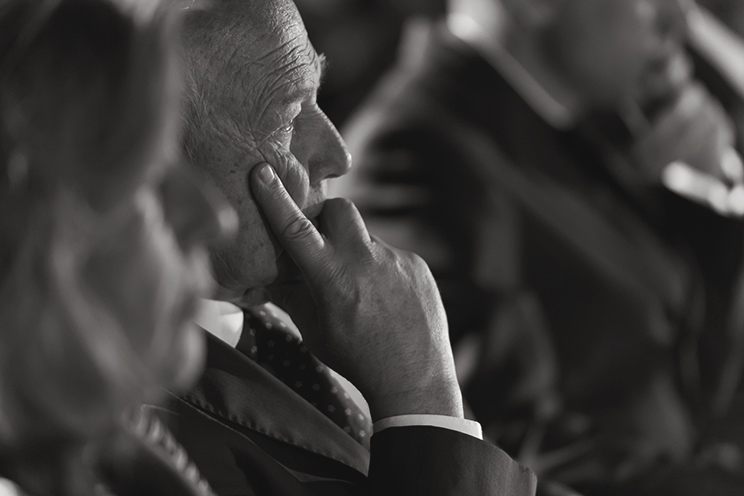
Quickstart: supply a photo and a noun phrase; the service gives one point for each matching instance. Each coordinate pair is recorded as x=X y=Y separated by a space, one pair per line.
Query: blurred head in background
x=592 y=54
x=102 y=233
x=360 y=39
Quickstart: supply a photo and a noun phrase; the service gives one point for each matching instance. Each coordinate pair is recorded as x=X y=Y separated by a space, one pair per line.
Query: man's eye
x=288 y=129
x=285 y=134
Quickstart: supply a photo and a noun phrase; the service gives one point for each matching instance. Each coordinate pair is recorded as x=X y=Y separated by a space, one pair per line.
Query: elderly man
x=525 y=153
x=268 y=417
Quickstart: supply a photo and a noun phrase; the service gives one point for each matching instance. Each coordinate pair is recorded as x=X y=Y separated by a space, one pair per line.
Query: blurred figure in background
x=729 y=11
x=102 y=245
x=525 y=155
x=359 y=39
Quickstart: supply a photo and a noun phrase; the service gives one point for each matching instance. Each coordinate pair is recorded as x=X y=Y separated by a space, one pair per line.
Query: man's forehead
x=254 y=18
x=264 y=39
x=263 y=61
x=301 y=78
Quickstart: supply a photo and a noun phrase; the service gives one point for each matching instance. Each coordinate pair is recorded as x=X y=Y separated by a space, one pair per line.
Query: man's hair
x=86 y=92
x=218 y=44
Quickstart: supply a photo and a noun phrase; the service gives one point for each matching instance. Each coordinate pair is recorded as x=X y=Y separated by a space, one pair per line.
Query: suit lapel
x=240 y=392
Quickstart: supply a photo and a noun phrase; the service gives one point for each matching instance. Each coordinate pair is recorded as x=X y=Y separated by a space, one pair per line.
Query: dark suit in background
x=599 y=314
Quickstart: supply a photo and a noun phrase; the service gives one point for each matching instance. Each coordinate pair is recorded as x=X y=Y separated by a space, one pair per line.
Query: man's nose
x=330 y=158
x=197 y=213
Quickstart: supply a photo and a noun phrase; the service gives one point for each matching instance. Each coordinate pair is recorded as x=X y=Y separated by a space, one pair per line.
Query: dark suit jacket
x=250 y=434
x=603 y=308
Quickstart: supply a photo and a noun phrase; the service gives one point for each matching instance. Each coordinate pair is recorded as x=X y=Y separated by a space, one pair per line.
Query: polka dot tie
x=266 y=340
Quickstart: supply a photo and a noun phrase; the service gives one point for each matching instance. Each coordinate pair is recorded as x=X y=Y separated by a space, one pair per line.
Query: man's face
x=261 y=103
x=615 y=50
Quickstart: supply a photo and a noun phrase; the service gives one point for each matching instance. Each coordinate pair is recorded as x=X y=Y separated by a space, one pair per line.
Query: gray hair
x=86 y=89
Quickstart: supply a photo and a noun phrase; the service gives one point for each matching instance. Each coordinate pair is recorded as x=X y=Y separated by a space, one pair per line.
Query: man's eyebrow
x=296 y=95
x=301 y=92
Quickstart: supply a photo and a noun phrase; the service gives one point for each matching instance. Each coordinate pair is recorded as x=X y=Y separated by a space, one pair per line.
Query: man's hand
x=380 y=319
x=694 y=129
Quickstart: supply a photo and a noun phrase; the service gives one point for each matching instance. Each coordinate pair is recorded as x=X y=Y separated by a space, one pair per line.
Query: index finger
x=295 y=232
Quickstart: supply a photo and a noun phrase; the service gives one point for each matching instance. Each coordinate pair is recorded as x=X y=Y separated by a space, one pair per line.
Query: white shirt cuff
x=464 y=426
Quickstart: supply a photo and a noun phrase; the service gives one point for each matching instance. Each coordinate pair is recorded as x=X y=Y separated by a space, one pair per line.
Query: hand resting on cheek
x=369 y=311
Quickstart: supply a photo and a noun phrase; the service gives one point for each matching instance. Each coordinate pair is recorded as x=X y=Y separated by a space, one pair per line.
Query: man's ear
x=532 y=13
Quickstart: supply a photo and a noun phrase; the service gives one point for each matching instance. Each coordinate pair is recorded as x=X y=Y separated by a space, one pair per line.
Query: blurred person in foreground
x=268 y=417
x=102 y=248
x=598 y=314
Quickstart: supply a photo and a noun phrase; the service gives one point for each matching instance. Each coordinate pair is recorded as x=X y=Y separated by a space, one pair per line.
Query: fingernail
x=266 y=173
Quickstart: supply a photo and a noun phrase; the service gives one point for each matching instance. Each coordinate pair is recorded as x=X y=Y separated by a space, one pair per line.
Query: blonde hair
x=87 y=90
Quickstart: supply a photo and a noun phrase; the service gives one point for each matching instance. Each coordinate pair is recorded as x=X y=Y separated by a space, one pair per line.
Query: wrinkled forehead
x=283 y=56
x=262 y=43
x=260 y=30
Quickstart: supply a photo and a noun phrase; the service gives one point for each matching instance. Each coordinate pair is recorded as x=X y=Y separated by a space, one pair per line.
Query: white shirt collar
x=225 y=320
x=221 y=319
x=470 y=31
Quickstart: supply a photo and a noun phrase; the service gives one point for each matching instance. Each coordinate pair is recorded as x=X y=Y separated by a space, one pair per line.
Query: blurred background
x=360 y=39
x=525 y=373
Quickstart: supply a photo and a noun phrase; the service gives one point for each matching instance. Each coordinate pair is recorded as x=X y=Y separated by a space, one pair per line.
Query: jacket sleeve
x=440 y=462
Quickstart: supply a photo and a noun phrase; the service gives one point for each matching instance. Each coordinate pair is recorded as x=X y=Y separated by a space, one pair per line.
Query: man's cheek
x=292 y=173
